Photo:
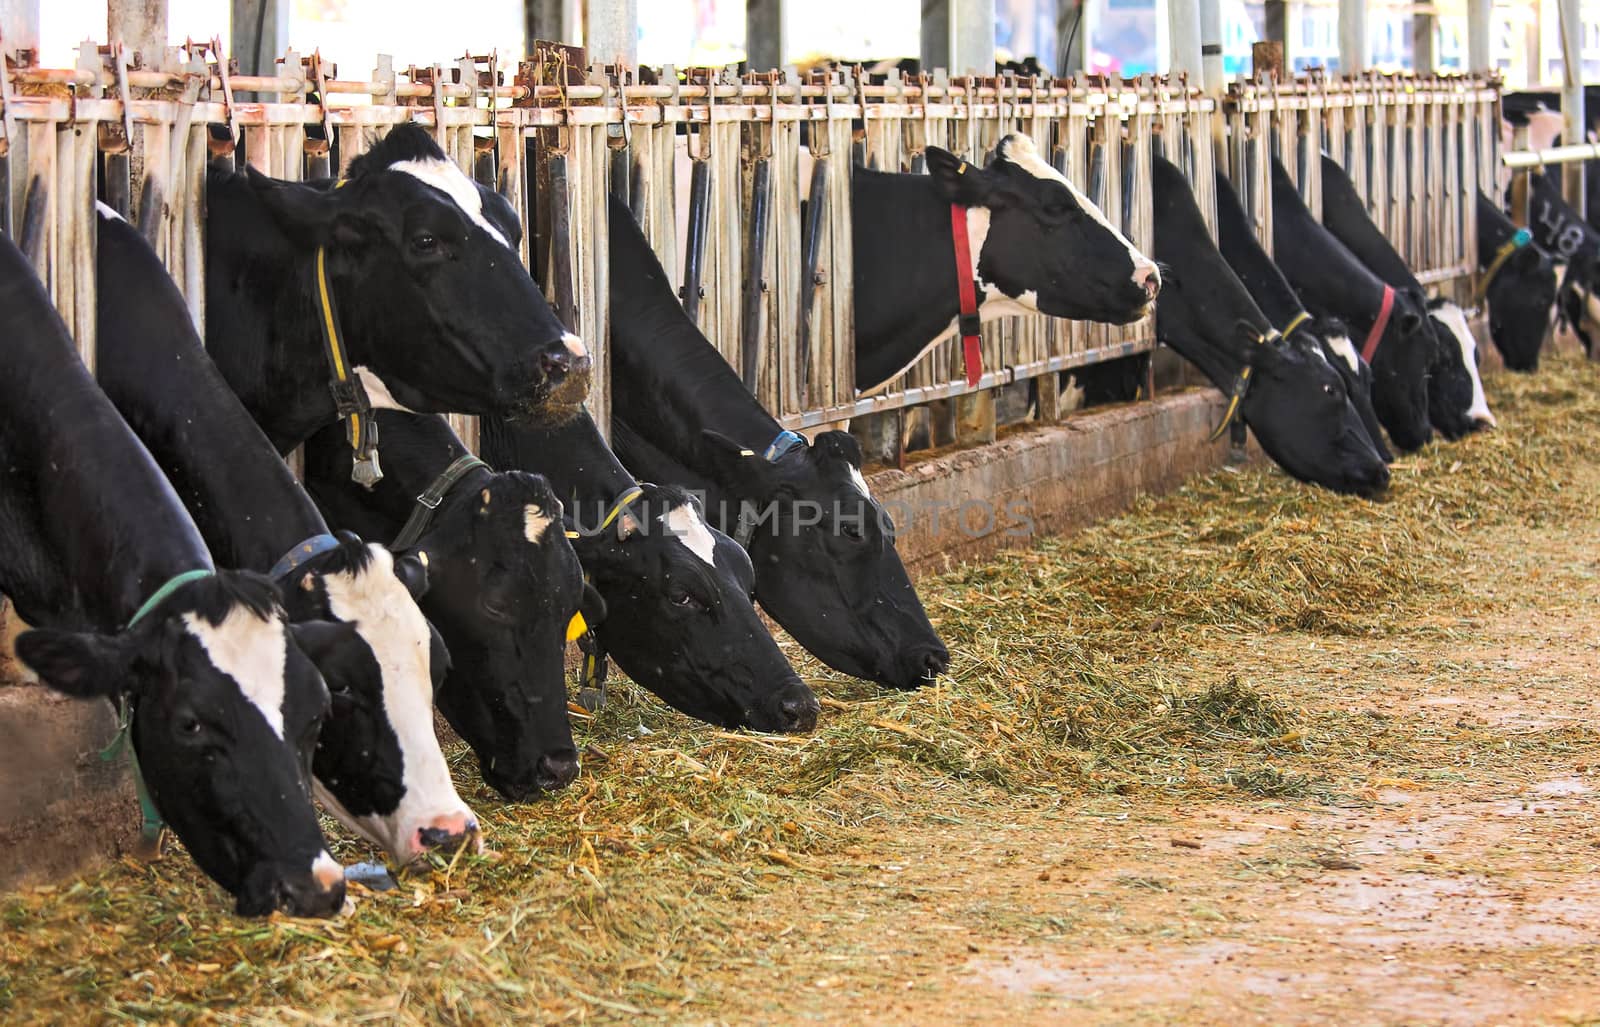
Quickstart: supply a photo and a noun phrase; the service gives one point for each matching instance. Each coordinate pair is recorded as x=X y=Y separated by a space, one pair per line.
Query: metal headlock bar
x=762 y=251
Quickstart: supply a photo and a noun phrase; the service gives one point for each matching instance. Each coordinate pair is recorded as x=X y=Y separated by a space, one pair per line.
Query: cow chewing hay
x=1124 y=660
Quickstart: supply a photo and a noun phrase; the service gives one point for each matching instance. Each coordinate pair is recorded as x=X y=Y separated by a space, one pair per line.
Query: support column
x=1183 y=39
x=19 y=25
x=935 y=34
x=972 y=37
x=1276 y=29
x=1480 y=44
x=1424 y=58
x=1353 y=45
x=611 y=30
x=763 y=34
x=260 y=35
x=1073 y=19
x=1211 y=46
x=141 y=26
x=1573 y=131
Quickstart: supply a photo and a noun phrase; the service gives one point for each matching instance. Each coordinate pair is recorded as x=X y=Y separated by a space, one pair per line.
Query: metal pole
x=1352 y=36
x=260 y=35
x=1183 y=39
x=1211 y=45
x=1424 y=59
x=1573 y=132
x=548 y=20
x=1277 y=28
x=935 y=34
x=611 y=30
x=1072 y=34
x=19 y=25
x=763 y=34
x=972 y=37
x=141 y=26
x=1480 y=54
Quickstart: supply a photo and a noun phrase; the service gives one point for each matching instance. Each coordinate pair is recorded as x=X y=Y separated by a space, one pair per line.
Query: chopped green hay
x=1151 y=654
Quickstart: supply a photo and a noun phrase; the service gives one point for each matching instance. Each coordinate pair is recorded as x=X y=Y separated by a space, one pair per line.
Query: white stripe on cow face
x=684 y=523
x=251 y=651
x=444 y=176
x=380 y=608
x=1019 y=149
x=574 y=345
x=859 y=482
x=535 y=522
x=1346 y=349
x=108 y=212
x=1452 y=318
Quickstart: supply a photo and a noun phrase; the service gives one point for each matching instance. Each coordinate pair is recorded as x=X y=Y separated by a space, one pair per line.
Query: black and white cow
x=1293 y=398
x=1456 y=403
x=504 y=584
x=1236 y=239
x=1036 y=244
x=225 y=706
x=679 y=619
x=825 y=564
x=1521 y=290
x=378 y=765
x=434 y=308
x=1328 y=278
x=1561 y=232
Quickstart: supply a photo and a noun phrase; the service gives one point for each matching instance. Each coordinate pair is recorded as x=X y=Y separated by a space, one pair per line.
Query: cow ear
x=958 y=181
x=308 y=214
x=413 y=572
x=731 y=463
x=79 y=664
x=840 y=444
x=1410 y=322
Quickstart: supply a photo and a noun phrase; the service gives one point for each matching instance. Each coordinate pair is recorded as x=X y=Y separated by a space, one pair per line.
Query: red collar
x=967 y=324
x=1375 y=336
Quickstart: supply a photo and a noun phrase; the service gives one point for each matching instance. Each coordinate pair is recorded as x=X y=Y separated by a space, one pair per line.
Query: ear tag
x=747 y=452
x=961 y=169
x=422 y=558
x=484 y=495
x=572 y=534
x=576 y=627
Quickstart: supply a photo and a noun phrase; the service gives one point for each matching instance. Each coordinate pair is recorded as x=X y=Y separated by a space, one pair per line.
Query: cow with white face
x=1034 y=243
x=223 y=705
x=378 y=763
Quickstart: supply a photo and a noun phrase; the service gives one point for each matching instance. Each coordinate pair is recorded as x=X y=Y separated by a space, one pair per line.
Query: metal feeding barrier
x=741 y=184
x=1417 y=149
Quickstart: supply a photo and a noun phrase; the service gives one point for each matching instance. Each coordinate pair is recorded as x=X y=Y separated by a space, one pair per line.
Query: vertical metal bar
x=755 y=255
x=1353 y=45
x=1573 y=130
x=810 y=279
x=561 y=242
x=695 y=245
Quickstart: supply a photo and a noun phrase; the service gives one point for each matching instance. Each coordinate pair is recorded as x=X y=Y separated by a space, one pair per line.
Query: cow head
x=1400 y=370
x=1465 y=407
x=378 y=766
x=436 y=309
x=1520 y=299
x=1299 y=407
x=504 y=583
x=825 y=563
x=226 y=713
x=1041 y=243
x=679 y=619
x=1334 y=339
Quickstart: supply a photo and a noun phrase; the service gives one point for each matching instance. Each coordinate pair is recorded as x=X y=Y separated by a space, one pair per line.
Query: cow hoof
x=592 y=699
x=147 y=849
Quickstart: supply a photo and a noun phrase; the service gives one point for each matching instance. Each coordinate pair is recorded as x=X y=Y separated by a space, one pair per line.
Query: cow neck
x=585 y=474
x=669 y=383
x=243 y=498
x=1249 y=260
x=92 y=526
x=433 y=467
x=905 y=293
x=1502 y=254
x=262 y=317
x=1369 y=347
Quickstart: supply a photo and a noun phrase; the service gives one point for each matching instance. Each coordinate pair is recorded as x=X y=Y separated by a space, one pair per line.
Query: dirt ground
x=1464 y=896
x=1251 y=754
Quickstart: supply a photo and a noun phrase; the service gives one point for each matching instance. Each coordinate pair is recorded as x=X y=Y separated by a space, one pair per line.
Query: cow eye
x=189 y=726
x=687 y=601
x=851 y=531
x=1328 y=389
x=425 y=242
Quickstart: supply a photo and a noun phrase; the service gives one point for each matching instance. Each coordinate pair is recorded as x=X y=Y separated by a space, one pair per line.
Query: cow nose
x=557 y=364
x=448 y=831
x=798 y=709
x=556 y=770
x=1151 y=282
x=1484 y=420
x=319 y=894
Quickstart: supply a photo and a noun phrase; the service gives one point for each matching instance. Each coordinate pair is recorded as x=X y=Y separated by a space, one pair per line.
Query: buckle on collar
x=969 y=324
x=349 y=396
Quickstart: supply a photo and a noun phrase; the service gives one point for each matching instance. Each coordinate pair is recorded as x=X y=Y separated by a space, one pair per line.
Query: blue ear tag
x=1522 y=238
